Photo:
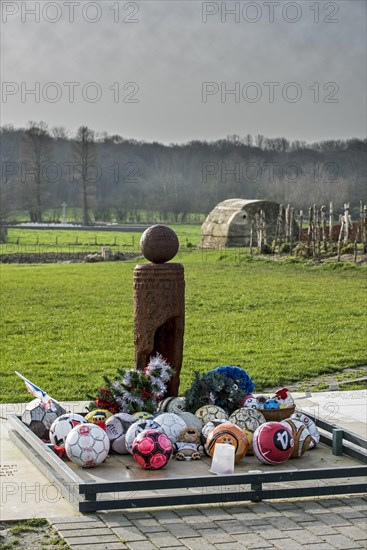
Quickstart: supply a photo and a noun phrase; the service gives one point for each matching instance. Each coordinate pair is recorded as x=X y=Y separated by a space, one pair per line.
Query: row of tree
x=107 y=177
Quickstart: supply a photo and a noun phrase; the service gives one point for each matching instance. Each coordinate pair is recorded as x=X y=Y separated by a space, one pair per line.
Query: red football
x=272 y=443
x=152 y=449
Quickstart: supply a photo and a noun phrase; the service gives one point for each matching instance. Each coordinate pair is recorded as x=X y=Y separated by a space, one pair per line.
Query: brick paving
x=327 y=524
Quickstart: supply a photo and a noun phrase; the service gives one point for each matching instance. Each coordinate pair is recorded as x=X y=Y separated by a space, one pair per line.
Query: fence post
x=331 y=224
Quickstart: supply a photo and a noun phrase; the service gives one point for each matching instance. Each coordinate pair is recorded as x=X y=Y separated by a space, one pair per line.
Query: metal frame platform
x=91 y=495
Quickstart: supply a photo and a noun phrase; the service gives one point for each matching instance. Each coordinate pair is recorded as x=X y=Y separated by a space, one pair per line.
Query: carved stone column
x=159 y=303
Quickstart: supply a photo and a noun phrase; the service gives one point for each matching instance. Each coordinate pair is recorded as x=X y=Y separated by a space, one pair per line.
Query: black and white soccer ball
x=62 y=426
x=87 y=445
x=39 y=418
x=171 y=424
x=174 y=405
x=209 y=426
x=116 y=428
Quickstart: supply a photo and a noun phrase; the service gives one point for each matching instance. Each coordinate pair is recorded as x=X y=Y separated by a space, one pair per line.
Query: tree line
x=111 y=178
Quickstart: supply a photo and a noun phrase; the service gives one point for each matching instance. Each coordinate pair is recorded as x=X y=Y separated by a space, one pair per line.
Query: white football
x=38 y=417
x=310 y=425
x=116 y=428
x=191 y=420
x=87 y=445
x=171 y=424
x=62 y=426
x=247 y=418
x=172 y=405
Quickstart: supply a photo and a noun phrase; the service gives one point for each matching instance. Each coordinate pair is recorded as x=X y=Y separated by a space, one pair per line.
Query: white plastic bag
x=223 y=459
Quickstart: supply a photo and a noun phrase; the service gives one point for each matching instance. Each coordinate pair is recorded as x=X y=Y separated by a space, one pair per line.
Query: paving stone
x=215 y=536
x=232 y=526
x=360 y=522
x=287 y=544
x=358 y=503
x=129 y=534
x=284 y=523
x=334 y=520
x=100 y=546
x=79 y=525
x=141 y=545
x=181 y=530
x=73 y=519
x=162 y=540
x=115 y=519
x=352 y=514
x=198 y=520
x=136 y=515
x=231 y=546
x=166 y=516
x=298 y=515
x=263 y=509
x=280 y=506
x=85 y=532
x=318 y=528
x=269 y=532
x=203 y=525
x=352 y=532
x=319 y=546
x=89 y=541
x=251 y=540
x=188 y=512
x=306 y=537
x=339 y=541
x=217 y=513
x=312 y=507
x=149 y=525
x=197 y=544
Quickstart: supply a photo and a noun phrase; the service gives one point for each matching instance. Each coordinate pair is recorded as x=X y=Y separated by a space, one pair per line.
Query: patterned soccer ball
x=272 y=443
x=191 y=420
x=247 y=418
x=98 y=416
x=136 y=428
x=62 y=426
x=142 y=415
x=262 y=399
x=210 y=412
x=174 y=405
x=300 y=434
x=39 y=418
x=251 y=403
x=310 y=425
x=230 y=434
x=116 y=428
x=171 y=424
x=152 y=449
x=209 y=426
x=87 y=445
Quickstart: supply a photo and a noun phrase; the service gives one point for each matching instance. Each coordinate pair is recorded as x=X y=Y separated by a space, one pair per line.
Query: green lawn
x=63 y=326
x=64 y=240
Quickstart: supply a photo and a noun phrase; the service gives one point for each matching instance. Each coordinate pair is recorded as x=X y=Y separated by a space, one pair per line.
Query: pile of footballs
x=228 y=412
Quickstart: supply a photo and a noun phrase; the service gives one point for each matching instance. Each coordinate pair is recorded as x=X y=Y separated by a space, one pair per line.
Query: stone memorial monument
x=159 y=302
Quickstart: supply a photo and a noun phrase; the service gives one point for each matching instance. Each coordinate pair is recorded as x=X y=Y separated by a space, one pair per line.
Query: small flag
x=47 y=401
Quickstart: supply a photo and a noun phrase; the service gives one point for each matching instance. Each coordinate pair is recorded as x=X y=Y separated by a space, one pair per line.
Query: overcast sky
x=173 y=62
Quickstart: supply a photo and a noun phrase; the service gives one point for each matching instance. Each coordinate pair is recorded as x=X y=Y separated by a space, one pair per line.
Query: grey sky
x=170 y=52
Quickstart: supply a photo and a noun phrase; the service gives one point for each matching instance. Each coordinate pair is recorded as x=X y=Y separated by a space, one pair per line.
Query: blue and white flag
x=47 y=401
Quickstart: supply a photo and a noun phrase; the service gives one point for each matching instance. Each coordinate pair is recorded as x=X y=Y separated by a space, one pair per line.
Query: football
x=300 y=434
x=142 y=415
x=209 y=426
x=152 y=449
x=247 y=418
x=171 y=424
x=210 y=412
x=116 y=428
x=87 y=445
x=97 y=416
x=251 y=402
x=310 y=425
x=172 y=405
x=136 y=428
x=39 y=418
x=231 y=435
x=191 y=420
x=272 y=443
x=62 y=426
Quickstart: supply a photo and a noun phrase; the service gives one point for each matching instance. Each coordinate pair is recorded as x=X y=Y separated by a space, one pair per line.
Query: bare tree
x=85 y=158
x=35 y=154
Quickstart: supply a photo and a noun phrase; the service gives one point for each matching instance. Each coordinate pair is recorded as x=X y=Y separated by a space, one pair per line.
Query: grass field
x=64 y=326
